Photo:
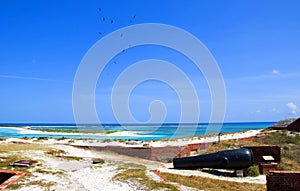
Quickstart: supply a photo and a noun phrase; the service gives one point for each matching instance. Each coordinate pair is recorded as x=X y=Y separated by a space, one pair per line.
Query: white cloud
x=293 y=107
x=275 y=72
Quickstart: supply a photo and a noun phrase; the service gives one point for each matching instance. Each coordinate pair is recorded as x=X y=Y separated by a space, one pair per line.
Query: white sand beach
x=29 y=131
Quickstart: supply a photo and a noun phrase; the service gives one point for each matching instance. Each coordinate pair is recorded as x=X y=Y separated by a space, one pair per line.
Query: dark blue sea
x=143 y=132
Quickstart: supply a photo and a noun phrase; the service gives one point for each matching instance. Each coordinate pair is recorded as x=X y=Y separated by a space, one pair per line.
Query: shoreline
x=166 y=133
x=182 y=141
x=22 y=130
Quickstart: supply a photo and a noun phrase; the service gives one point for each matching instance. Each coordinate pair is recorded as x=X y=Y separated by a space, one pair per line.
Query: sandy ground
x=32 y=132
x=82 y=175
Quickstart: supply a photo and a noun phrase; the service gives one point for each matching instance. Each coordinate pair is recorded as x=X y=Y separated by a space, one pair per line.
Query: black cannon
x=227 y=159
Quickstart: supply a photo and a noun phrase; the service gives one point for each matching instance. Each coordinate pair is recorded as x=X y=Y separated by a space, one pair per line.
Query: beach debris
x=97 y=161
x=157 y=172
x=24 y=163
x=42 y=138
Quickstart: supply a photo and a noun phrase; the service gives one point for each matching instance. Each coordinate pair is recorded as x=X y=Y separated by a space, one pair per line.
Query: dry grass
x=11 y=152
x=137 y=175
x=46 y=185
x=7 y=160
x=21 y=147
x=288 y=164
x=55 y=152
x=289 y=142
x=211 y=184
x=230 y=144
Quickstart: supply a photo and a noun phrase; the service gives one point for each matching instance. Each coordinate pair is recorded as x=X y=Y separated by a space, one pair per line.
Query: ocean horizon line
x=8 y=124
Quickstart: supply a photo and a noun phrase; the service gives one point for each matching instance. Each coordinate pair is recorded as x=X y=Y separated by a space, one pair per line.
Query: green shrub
x=253 y=171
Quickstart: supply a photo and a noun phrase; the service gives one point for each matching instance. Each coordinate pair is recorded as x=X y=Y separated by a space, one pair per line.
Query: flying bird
x=132 y=19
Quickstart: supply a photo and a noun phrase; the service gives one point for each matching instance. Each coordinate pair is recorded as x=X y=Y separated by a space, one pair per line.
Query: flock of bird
x=111 y=21
x=104 y=19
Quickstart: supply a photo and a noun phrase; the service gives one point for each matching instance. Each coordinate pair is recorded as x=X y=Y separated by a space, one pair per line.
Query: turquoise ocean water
x=143 y=132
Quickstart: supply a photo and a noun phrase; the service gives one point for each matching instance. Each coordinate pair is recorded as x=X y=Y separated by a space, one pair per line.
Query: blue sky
x=255 y=43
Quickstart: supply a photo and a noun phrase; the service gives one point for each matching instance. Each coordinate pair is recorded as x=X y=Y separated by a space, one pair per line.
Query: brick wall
x=166 y=154
x=163 y=154
x=295 y=126
x=8 y=177
x=265 y=168
x=251 y=138
x=141 y=152
x=199 y=146
x=259 y=151
x=194 y=147
x=4 y=177
x=283 y=181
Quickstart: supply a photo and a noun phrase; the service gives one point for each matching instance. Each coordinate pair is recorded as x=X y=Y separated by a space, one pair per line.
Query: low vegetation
x=229 y=144
x=252 y=171
x=78 y=131
x=5 y=161
x=19 y=183
x=289 y=142
x=41 y=183
x=62 y=154
x=137 y=174
x=49 y=171
x=55 y=152
x=10 y=147
x=10 y=153
x=211 y=184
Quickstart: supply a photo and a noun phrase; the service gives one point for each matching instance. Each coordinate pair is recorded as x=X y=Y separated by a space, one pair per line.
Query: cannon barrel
x=227 y=159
